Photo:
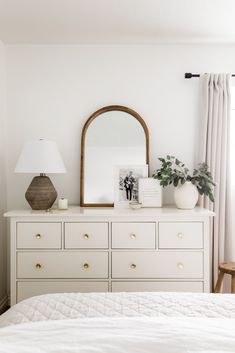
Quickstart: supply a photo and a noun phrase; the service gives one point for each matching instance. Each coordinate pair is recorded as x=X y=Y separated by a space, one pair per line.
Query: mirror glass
x=112 y=139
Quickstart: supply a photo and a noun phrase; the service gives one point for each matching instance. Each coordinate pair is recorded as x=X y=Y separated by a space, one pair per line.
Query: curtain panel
x=215 y=151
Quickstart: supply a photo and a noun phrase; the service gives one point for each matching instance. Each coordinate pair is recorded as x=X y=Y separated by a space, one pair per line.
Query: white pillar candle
x=63 y=204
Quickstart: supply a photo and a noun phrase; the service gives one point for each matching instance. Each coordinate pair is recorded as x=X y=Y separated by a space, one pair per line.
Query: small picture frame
x=126 y=183
x=150 y=192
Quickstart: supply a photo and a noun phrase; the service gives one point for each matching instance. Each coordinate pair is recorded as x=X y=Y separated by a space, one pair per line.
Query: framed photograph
x=150 y=192
x=126 y=183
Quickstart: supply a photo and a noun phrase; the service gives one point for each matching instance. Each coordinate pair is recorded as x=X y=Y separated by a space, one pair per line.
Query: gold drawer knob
x=180 y=266
x=86 y=236
x=86 y=266
x=38 y=266
x=38 y=236
x=133 y=236
x=133 y=266
x=180 y=235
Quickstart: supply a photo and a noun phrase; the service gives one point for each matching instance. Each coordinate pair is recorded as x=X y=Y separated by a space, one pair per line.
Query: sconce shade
x=41 y=156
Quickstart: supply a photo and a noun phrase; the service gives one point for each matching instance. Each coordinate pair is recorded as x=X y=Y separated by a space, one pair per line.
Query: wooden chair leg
x=219 y=282
x=233 y=284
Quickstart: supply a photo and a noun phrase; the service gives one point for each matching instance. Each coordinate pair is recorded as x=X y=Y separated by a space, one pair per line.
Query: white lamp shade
x=41 y=156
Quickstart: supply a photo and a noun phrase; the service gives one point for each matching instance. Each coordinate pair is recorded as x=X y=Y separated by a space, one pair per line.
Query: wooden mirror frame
x=84 y=130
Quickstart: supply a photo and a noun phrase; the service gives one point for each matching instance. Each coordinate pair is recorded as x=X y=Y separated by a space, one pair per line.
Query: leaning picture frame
x=126 y=183
x=150 y=192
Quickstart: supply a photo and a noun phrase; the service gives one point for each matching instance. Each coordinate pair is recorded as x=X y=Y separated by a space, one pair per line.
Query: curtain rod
x=190 y=75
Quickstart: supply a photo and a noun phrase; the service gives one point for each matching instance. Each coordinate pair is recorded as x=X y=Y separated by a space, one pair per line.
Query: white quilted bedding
x=121 y=335
x=98 y=305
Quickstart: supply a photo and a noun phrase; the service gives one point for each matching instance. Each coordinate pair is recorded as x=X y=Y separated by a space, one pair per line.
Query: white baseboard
x=4 y=304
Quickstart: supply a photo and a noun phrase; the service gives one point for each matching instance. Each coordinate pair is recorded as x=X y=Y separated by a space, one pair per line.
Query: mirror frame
x=95 y=115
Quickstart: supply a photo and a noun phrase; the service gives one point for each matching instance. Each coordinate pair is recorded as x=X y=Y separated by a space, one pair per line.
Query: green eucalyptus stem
x=174 y=172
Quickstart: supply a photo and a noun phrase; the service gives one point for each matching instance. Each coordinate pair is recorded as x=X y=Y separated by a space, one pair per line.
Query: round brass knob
x=86 y=266
x=38 y=236
x=133 y=266
x=180 y=235
x=86 y=236
x=133 y=236
x=180 y=265
x=38 y=266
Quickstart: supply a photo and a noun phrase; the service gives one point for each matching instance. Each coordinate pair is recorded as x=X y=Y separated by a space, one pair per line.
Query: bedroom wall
x=2 y=178
x=52 y=90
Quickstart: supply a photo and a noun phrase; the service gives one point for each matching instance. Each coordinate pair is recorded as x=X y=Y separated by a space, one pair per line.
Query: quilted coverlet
x=120 y=305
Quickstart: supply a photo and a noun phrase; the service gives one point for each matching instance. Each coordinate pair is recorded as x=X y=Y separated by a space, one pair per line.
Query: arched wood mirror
x=112 y=136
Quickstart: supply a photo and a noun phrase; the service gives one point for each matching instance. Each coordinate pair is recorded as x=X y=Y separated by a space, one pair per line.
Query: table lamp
x=42 y=157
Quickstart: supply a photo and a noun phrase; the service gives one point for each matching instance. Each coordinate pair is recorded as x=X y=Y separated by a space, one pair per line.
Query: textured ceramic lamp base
x=41 y=193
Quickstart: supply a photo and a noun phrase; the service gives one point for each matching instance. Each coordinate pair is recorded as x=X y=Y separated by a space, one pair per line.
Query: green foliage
x=174 y=172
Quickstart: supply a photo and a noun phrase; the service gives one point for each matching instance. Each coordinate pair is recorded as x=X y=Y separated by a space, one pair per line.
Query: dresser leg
x=219 y=282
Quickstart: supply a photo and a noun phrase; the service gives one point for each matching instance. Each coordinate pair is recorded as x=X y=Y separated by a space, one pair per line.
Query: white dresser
x=105 y=249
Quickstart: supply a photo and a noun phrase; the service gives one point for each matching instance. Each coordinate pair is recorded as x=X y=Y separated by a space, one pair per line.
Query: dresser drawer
x=86 y=235
x=62 y=264
x=133 y=235
x=31 y=289
x=180 y=235
x=166 y=286
x=38 y=235
x=164 y=264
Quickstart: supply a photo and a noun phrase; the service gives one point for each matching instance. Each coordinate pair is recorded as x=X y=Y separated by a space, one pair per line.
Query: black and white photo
x=126 y=183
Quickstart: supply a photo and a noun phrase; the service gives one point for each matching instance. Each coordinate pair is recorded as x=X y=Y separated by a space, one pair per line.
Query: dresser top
x=82 y=212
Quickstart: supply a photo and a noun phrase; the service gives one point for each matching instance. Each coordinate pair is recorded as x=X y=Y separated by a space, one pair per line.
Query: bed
x=120 y=323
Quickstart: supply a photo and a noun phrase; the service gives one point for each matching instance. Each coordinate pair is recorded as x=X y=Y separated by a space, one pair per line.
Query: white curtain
x=215 y=151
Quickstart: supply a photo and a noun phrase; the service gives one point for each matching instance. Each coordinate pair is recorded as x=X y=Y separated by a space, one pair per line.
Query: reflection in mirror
x=114 y=137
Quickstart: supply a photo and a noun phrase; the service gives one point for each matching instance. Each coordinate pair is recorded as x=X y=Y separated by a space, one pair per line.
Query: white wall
x=52 y=90
x=2 y=177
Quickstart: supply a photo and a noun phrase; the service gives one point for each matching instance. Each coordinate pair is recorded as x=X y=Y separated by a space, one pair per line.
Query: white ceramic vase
x=186 y=196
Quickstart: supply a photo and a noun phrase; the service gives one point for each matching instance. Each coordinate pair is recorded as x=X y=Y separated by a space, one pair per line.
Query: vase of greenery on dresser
x=186 y=195
x=187 y=187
